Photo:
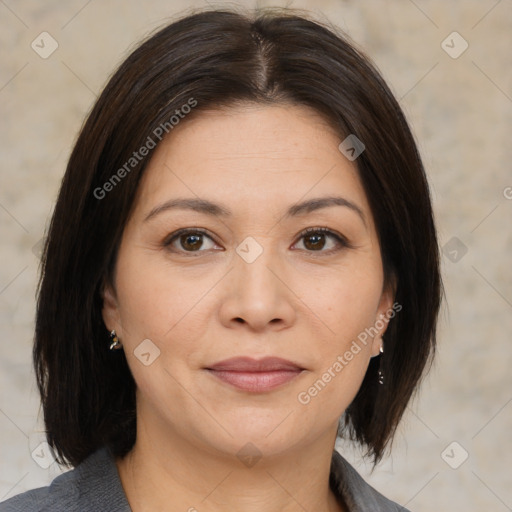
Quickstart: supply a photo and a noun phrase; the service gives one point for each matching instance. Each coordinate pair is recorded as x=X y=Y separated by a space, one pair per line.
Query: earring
x=379 y=373
x=116 y=344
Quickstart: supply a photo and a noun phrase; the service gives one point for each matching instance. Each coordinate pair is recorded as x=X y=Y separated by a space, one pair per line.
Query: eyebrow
x=207 y=207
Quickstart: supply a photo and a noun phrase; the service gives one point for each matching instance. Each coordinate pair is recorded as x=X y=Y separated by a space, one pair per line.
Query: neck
x=173 y=475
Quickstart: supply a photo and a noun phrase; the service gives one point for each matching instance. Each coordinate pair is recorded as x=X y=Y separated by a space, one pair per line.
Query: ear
x=385 y=312
x=110 y=309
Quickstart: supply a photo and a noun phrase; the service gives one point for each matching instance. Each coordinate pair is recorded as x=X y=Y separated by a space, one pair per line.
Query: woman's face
x=199 y=284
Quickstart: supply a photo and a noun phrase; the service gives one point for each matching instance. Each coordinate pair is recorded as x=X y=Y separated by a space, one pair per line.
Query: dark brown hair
x=218 y=58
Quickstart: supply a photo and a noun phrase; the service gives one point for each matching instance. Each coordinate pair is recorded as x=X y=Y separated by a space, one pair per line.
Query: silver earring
x=115 y=343
x=379 y=373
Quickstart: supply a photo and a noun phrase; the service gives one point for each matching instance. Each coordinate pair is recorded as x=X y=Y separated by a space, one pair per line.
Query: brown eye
x=188 y=241
x=191 y=242
x=317 y=239
x=320 y=240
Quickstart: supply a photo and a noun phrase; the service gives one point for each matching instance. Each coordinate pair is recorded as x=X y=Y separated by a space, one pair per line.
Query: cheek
x=173 y=309
x=349 y=310
x=154 y=298
x=343 y=357
x=349 y=303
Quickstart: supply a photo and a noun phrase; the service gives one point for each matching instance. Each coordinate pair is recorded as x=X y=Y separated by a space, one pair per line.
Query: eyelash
x=341 y=240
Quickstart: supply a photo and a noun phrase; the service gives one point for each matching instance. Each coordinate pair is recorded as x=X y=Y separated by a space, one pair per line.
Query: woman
x=242 y=265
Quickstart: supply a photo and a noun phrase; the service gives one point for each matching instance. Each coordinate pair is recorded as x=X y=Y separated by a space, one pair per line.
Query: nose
x=256 y=295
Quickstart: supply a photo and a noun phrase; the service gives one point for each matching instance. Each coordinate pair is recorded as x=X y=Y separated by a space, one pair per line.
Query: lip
x=255 y=375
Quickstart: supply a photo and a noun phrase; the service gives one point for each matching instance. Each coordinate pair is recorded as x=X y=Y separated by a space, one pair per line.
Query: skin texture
x=299 y=301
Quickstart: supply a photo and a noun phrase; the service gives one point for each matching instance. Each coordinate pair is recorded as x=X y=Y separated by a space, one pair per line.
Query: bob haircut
x=218 y=59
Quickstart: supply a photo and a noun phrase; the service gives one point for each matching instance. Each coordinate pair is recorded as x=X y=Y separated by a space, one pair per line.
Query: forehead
x=251 y=156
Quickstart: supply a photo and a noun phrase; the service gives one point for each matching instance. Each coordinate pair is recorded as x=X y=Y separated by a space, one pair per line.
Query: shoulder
x=92 y=485
x=358 y=494
x=58 y=496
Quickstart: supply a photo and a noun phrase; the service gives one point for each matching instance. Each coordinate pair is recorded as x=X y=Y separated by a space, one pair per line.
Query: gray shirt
x=95 y=486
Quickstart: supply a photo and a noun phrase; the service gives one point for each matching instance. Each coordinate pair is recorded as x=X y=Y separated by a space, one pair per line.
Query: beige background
x=461 y=112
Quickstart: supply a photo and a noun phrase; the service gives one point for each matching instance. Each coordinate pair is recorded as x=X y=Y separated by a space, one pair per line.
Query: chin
x=264 y=434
